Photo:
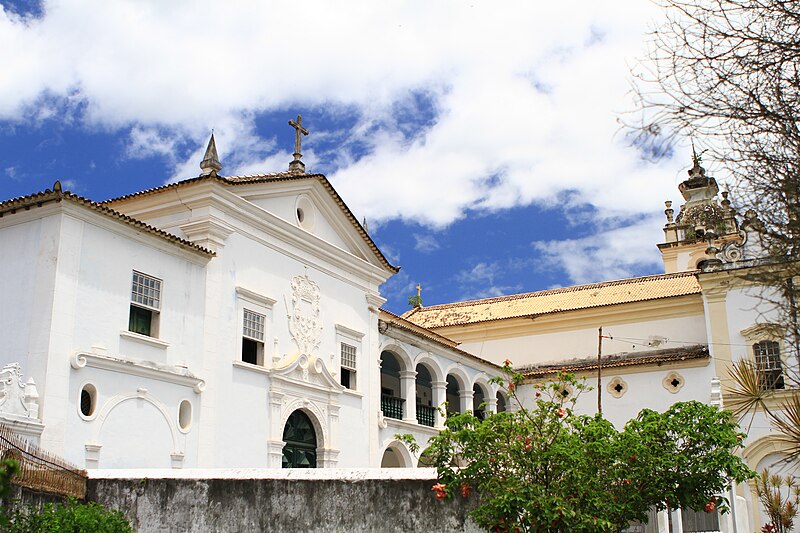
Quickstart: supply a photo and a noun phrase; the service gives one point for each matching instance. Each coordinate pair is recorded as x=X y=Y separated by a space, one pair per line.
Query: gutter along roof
x=556 y=300
x=623 y=359
x=14 y=205
x=401 y=323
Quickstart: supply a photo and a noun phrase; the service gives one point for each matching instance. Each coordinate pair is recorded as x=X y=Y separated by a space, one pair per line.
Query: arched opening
x=300 y=450
x=426 y=412
x=391 y=390
x=501 y=403
x=425 y=459
x=392 y=458
x=453 y=395
x=478 y=399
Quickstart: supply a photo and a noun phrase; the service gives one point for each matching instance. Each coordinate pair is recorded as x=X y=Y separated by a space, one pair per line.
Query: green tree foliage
x=548 y=469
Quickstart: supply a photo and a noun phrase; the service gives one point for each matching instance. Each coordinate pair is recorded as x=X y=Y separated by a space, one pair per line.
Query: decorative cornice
x=177 y=375
x=348 y=332
x=254 y=297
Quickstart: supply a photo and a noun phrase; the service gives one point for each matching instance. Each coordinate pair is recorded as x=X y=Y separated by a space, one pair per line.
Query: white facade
x=192 y=348
x=186 y=326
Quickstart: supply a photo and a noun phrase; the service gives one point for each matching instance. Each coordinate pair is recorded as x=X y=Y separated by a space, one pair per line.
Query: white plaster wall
x=645 y=391
x=285 y=208
x=538 y=348
x=27 y=279
x=88 y=298
x=240 y=395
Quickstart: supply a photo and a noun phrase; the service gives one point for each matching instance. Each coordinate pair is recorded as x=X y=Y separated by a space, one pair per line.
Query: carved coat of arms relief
x=305 y=325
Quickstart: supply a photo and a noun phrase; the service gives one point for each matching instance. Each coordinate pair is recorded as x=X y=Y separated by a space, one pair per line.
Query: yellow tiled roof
x=556 y=300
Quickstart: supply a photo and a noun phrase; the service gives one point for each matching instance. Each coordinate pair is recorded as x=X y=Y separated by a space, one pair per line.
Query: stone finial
x=57 y=187
x=296 y=165
x=669 y=211
x=364 y=224
x=726 y=203
x=31 y=398
x=210 y=164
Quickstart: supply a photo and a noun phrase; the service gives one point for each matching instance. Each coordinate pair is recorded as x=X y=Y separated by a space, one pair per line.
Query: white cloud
x=614 y=253
x=425 y=243
x=522 y=95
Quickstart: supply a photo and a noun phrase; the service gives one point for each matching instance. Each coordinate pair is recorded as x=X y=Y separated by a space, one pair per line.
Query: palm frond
x=786 y=419
x=747 y=393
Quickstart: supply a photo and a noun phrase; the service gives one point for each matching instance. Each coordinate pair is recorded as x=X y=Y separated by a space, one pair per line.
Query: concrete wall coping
x=342 y=474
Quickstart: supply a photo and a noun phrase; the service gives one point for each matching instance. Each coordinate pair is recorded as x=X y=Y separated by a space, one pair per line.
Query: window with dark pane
x=768 y=365
x=253 y=326
x=145 y=304
x=348 y=366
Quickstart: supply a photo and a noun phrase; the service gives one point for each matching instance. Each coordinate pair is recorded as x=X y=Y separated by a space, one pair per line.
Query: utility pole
x=599 y=370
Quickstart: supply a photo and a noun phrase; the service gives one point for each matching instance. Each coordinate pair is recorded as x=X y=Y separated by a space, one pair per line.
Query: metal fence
x=40 y=470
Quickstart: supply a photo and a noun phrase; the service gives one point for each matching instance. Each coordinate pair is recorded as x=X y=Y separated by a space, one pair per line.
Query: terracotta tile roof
x=14 y=205
x=271 y=178
x=556 y=300
x=651 y=357
x=399 y=322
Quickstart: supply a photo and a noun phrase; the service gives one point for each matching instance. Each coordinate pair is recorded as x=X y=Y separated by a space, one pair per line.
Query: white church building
x=236 y=322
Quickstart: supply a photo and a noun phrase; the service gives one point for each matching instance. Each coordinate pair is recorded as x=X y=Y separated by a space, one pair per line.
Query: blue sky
x=481 y=140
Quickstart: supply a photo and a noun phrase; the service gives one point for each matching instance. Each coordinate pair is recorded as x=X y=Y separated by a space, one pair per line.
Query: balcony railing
x=426 y=415
x=392 y=406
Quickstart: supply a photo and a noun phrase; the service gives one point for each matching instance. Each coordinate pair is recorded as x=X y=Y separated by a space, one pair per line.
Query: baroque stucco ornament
x=305 y=325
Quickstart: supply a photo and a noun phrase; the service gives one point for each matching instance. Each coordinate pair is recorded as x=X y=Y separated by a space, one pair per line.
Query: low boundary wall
x=325 y=500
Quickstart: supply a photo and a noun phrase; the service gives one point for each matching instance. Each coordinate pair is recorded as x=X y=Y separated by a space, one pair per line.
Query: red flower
x=507 y=362
x=438 y=487
x=440 y=491
x=441 y=495
x=527 y=447
x=711 y=506
x=538 y=394
x=465 y=490
x=511 y=386
x=561 y=412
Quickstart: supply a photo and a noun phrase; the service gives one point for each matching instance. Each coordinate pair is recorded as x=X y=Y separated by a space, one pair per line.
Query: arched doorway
x=300 y=450
x=478 y=399
x=501 y=402
x=453 y=395
x=391 y=387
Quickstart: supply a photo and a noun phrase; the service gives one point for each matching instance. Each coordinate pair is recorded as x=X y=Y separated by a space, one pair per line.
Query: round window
x=305 y=213
x=88 y=400
x=185 y=415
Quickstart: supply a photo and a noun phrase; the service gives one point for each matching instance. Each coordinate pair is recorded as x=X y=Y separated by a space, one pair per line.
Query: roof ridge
x=280 y=176
x=558 y=290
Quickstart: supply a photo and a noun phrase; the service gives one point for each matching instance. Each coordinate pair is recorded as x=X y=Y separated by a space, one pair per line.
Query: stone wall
x=375 y=500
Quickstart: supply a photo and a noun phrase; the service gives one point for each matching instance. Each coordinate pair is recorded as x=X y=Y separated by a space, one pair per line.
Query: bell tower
x=705 y=228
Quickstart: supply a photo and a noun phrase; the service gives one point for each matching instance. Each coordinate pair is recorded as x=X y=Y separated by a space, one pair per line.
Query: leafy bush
x=545 y=468
x=72 y=517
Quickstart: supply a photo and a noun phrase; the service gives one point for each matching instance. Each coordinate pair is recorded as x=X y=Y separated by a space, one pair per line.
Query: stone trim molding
x=178 y=375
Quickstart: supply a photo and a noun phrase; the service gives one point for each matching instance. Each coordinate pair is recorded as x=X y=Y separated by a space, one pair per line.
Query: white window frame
x=259 y=305
x=155 y=310
x=349 y=337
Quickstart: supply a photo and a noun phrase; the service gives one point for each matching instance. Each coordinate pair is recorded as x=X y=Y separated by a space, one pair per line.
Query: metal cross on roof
x=296 y=164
